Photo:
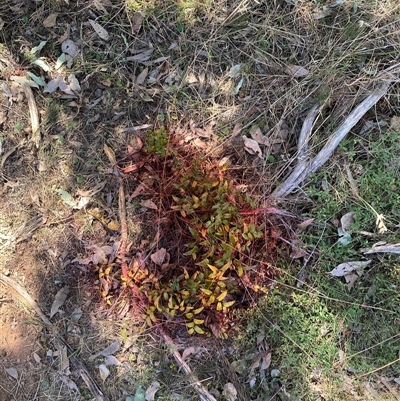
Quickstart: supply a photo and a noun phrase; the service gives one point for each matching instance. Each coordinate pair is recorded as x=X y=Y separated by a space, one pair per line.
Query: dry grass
x=217 y=63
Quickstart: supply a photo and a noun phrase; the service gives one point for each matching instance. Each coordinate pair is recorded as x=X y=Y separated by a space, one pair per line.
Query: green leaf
x=222 y=295
x=66 y=198
x=199 y=330
x=228 y=304
x=140 y=394
x=39 y=47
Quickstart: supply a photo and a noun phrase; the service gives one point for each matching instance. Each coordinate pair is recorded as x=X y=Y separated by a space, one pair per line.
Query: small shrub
x=220 y=239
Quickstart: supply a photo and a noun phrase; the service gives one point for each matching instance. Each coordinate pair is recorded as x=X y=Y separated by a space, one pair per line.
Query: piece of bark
x=305 y=167
x=33 y=111
x=300 y=170
x=387 y=248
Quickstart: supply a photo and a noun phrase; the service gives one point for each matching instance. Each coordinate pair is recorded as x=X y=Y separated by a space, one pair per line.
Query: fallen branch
x=26 y=298
x=200 y=389
x=306 y=165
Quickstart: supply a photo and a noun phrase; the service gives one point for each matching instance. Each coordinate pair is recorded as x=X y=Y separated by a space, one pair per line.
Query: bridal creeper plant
x=221 y=242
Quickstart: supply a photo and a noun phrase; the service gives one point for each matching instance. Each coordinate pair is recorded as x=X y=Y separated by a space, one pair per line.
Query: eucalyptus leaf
x=39 y=47
x=60 y=61
x=66 y=198
x=140 y=394
x=43 y=64
x=36 y=79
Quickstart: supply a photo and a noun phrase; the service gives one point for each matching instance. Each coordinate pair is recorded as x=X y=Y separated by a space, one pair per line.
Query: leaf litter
x=350 y=271
x=103 y=34
x=110 y=350
x=151 y=391
x=59 y=300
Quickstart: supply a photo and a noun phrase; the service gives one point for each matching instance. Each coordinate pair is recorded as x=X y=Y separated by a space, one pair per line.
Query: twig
x=137 y=128
x=121 y=203
x=33 y=111
x=200 y=389
x=378 y=369
x=122 y=219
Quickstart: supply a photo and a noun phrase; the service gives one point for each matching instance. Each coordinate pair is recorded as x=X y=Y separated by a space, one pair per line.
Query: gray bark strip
x=307 y=164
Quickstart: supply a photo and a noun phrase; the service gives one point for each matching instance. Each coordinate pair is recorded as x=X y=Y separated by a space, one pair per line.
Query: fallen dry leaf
x=52 y=85
x=348 y=267
x=304 y=224
x=12 y=372
x=137 y=21
x=266 y=360
x=103 y=34
x=76 y=314
x=36 y=357
x=101 y=5
x=110 y=350
x=111 y=360
x=69 y=47
x=351 y=278
x=50 y=21
x=200 y=144
x=106 y=82
x=296 y=71
x=158 y=257
x=395 y=124
x=190 y=351
x=142 y=76
x=321 y=14
x=70 y=384
x=99 y=257
x=59 y=300
x=143 y=56
x=104 y=372
x=229 y=392
x=149 y=204
x=139 y=190
x=347 y=220
x=64 y=364
x=258 y=136
x=251 y=146
x=151 y=391
x=380 y=223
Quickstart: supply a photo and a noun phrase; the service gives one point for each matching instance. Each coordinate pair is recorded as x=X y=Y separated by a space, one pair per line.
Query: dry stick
x=121 y=202
x=201 y=390
x=300 y=173
x=33 y=111
x=24 y=296
x=122 y=218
